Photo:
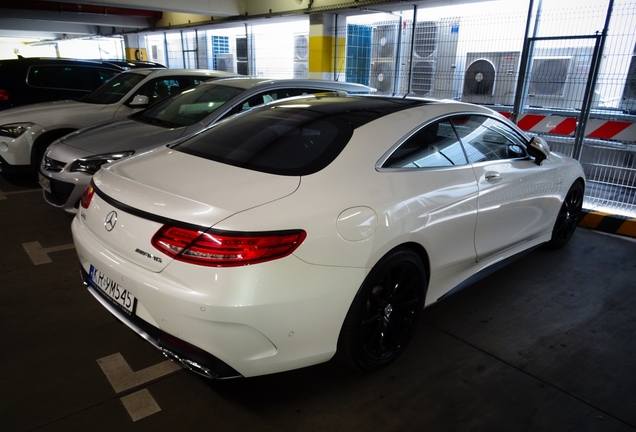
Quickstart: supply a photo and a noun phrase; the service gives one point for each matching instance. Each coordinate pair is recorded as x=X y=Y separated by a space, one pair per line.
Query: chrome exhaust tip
x=189 y=364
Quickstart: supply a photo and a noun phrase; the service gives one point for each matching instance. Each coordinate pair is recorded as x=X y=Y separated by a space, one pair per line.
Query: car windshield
x=114 y=90
x=188 y=107
x=283 y=140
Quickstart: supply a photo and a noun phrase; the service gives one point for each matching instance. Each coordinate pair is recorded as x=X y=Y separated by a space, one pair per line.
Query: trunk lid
x=143 y=193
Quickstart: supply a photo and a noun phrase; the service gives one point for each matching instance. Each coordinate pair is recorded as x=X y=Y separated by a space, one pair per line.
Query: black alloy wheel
x=384 y=314
x=568 y=218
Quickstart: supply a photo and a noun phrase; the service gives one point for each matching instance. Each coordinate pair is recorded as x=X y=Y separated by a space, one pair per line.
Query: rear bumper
x=181 y=352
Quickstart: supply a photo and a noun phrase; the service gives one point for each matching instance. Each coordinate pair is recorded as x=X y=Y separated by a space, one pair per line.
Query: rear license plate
x=114 y=291
x=44 y=182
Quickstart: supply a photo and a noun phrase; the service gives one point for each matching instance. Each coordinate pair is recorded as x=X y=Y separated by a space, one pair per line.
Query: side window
x=488 y=139
x=270 y=96
x=104 y=75
x=435 y=145
x=159 y=88
x=60 y=77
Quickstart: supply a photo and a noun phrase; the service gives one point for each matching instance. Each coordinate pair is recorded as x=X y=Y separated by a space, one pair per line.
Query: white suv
x=26 y=131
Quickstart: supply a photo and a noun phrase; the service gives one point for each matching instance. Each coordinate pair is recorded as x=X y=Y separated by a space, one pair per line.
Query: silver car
x=26 y=131
x=69 y=164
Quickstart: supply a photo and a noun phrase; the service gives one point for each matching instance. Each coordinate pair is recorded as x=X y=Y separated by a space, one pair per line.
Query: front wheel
x=568 y=218
x=385 y=312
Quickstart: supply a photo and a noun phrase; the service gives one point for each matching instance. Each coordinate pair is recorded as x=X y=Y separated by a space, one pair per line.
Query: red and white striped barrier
x=555 y=125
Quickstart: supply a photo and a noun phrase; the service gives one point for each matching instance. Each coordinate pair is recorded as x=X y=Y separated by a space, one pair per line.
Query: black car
x=31 y=80
x=134 y=64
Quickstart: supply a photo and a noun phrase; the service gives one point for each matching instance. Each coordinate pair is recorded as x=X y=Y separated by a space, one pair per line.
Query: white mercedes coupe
x=316 y=226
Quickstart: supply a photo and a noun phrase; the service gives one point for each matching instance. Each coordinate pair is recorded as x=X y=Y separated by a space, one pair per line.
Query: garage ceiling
x=56 y=20
x=44 y=19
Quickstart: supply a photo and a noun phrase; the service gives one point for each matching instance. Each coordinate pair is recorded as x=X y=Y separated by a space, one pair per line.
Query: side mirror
x=139 y=101
x=539 y=149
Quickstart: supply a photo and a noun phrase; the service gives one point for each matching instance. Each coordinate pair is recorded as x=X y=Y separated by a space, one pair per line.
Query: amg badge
x=146 y=254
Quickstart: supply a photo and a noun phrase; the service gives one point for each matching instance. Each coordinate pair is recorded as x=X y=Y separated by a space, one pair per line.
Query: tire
x=385 y=312
x=568 y=218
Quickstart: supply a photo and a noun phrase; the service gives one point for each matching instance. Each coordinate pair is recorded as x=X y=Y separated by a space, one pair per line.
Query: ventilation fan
x=301 y=70
x=382 y=77
x=384 y=41
x=480 y=78
x=425 y=39
x=301 y=47
x=548 y=76
x=422 y=82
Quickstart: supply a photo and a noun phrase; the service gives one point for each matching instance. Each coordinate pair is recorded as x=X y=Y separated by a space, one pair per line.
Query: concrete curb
x=608 y=223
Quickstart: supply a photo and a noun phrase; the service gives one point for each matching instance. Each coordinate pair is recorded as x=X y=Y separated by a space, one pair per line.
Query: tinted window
x=271 y=96
x=160 y=88
x=115 y=89
x=435 y=145
x=67 y=77
x=189 y=107
x=283 y=141
x=487 y=139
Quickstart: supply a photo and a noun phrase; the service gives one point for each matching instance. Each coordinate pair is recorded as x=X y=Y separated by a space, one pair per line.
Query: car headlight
x=92 y=164
x=14 y=130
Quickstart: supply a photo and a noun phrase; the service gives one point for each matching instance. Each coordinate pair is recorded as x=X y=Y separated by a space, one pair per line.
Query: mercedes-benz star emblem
x=110 y=221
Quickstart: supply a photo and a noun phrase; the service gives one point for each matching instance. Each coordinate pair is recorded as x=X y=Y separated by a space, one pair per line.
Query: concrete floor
x=545 y=344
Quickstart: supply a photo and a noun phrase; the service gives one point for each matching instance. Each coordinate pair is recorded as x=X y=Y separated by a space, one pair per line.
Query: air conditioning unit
x=386 y=66
x=383 y=76
x=628 y=100
x=301 y=56
x=490 y=77
x=448 y=76
x=301 y=47
x=424 y=59
x=558 y=77
x=383 y=57
x=224 y=62
x=301 y=70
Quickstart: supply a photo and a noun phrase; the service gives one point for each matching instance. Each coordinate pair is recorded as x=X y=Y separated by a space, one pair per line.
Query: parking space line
x=140 y=404
x=3 y=195
x=122 y=377
x=40 y=255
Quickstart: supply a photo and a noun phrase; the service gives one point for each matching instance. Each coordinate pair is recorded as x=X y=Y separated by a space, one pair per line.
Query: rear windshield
x=280 y=140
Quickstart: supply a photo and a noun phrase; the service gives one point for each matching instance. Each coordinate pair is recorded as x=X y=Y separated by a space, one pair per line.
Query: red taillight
x=4 y=95
x=225 y=249
x=87 y=196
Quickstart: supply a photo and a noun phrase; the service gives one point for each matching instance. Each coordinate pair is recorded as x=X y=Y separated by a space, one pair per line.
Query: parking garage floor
x=545 y=344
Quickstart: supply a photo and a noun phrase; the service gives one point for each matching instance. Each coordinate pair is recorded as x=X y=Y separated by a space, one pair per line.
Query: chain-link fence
x=575 y=83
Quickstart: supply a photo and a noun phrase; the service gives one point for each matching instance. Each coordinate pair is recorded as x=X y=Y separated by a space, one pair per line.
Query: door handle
x=493 y=177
